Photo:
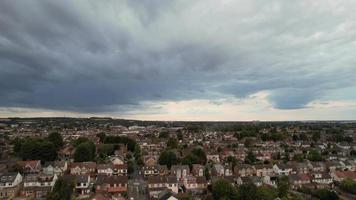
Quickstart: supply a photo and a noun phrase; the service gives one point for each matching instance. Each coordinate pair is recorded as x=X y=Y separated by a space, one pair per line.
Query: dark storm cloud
x=92 y=56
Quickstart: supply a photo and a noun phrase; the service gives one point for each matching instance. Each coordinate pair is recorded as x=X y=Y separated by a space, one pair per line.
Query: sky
x=229 y=60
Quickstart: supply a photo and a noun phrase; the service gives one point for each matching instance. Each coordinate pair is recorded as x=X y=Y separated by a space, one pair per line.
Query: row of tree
x=169 y=158
x=223 y=190
x=44 y=149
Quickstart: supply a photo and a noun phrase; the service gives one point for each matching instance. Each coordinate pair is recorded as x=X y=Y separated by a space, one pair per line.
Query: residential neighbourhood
x=117 y=159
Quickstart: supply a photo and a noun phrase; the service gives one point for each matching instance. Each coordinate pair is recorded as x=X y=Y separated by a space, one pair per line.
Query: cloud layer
x=115 y=56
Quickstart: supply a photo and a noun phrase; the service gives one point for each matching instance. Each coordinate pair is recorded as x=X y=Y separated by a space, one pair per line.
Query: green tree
x=314 y=155
x=172 y=143
x=266 y=193
x=197 y=156
x=316 y=136
x=250 y=158
x=101 y=136
x=231 y=160
x=283 y=186
x=47 y=151
x=37 y=149
x=79 y=141
x=348 y=185
x=57 y=139
x=248 y=191
x=207 y=173
x=163 y=134
x=222 y=189
x=325 y=194
x=84 y=152
x=179 y=135
x=299 y=157
x=62 y=190
x=106 y=149
x=168 y=158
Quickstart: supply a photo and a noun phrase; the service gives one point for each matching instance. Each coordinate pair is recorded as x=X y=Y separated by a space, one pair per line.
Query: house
x=180 y=171
x=198 y=170
x=157 y=184
x=333 y=166
x=166 y=195
x=110 y=169
x=100 y=196
x=10 y=184
x=317 y=166
x=218 y=170
x=57 y=167
x=299 y=168
x=155 y=170
x=30 y=166
x=83 y=186
x=264 y=170
x=270 y=180
x=258 y=181
x=215 y=158
x=196 y=185
x=115 y=185
x=82 y=168
x=117 y=160
x=341 y=175
x=282 y=169
x=298 y=180
x=322 y=178
x=38 y=185
x=150 y=160
x=242 y=170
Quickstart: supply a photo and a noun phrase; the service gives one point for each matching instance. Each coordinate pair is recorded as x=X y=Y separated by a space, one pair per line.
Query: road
x=137 y=185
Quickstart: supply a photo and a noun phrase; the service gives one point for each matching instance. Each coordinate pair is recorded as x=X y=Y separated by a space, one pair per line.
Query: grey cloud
x=98 y=56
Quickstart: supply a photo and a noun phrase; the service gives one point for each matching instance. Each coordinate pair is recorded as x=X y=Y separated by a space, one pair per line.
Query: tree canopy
x=85 y=152
x=56 y=139
x=35 y=149
x=168 y=158
x=62 y=189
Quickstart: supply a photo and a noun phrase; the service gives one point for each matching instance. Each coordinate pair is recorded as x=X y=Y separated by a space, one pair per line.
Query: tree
x=250 y=158
x=283 y=186
x=267 y=193
x=172 y=143
x=63 y=189
x=325 y=194
x=129 y=142
x=106 y=149
x=79 y=141
x=163 y=134
x=314 y=155
x=130 y=167
x=348 y=185
x=223 y=189
x=101 y=136
x=248 y=191
x=37 y=149
x=168 y=158
x=197 y=156
x=84 y=152
x=47 y=151
x=56 y=139
x=179 y=135
x=299 y=157
x=232 y=160
x=207 y=173
x=316 y=136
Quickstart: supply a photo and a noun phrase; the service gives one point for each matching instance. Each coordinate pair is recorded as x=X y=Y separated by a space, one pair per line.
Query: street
x=137 y=185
